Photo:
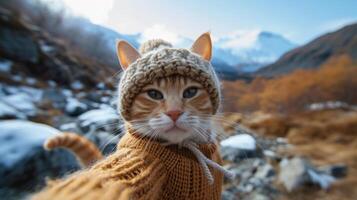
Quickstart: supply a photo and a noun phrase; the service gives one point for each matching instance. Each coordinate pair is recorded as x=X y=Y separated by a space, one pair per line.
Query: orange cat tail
x=86 y=152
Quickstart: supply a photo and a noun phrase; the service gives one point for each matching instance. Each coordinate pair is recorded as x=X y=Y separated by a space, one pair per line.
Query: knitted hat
x=159 y=60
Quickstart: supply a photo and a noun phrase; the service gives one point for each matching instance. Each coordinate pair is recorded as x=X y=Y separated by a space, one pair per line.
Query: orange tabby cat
x=170 y=140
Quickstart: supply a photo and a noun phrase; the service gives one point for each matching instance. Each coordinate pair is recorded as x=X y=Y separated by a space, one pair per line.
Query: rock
x=230 y=193
x=226 y=195
x=296 y=172
x=337 y=170
x=241 y=141
x=265 y=171
x=239 y=147
x=23 y=161
x=18 y=44
x=105 y=118
x=18 y=102
x=75 y=107
x=56 y=96
x=237 y=155
x=257 y=196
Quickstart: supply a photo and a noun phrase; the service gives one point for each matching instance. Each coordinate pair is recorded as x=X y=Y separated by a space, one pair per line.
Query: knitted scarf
x=144 y=169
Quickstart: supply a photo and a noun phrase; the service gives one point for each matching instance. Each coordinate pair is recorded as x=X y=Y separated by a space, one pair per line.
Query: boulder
x=75 y=107
x=239 y=147
x=18 y=44
x=297 y=172
x=23 y=161
x=104 y=118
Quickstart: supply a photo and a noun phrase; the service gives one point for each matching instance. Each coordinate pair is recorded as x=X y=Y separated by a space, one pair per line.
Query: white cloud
x=159 y=31
x=96 y=10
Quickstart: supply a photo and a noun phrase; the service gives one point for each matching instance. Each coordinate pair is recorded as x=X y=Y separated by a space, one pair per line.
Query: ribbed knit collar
x=171 y=152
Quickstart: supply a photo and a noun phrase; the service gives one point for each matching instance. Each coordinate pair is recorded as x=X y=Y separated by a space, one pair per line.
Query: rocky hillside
x=35 y=54
x=316 y=53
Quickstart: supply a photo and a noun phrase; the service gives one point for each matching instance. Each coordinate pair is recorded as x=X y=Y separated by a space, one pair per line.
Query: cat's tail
x=85 y=151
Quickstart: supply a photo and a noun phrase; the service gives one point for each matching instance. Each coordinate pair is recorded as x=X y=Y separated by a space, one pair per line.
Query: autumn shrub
x=334 y=81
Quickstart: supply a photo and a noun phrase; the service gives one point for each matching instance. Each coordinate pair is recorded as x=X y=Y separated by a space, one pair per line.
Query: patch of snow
x=102 y=116
x=101 y=85
x=105 y=99
x=21 y=102
x=67 y=93
x=5 y=66
x=67 y=127
x=73 y=104
x=327 y=105
x=241 y=141
x=16 y=78
x=77 y=85
x=18 y=137
x=34 y=93
x=47 y=48
x=52 y=83
x=8 y=111
x=30 y=81
x=323 y=180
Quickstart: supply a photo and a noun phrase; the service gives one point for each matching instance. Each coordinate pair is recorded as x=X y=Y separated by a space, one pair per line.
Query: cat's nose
x=174 y=114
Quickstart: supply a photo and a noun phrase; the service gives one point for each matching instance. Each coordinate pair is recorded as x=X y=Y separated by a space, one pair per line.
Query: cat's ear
x=203 y=46
x=127 y=54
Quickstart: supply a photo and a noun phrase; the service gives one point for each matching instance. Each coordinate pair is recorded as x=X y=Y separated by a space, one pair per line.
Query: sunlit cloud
x=160 y=31
x=96 y=10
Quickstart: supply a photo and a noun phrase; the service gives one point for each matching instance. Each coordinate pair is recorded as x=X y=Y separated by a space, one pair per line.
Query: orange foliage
x=335 y=81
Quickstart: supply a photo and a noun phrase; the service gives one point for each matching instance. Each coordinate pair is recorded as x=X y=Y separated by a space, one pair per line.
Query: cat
x=167 y=98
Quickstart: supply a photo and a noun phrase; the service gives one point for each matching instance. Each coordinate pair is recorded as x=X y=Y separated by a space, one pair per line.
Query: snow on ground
x=77 y=85
x=5 y=65
x=73 y=104
x=99 y=117
x=18 y=138
x=328 y=105
x=21 y=102
x=323 y=180
x=241 y=141
x=8 y=111
x=34 y=93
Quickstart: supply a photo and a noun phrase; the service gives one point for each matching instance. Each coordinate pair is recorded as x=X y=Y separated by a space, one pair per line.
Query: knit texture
x=164 y=62
x=142 y=169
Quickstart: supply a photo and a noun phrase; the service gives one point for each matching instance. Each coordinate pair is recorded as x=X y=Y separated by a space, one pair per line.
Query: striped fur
x=85 y=151
x=150 y=115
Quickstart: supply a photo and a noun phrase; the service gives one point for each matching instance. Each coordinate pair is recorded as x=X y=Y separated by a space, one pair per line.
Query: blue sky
x=299 y=21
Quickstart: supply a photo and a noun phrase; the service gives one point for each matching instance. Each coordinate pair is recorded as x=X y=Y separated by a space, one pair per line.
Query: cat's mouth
x=175 y=129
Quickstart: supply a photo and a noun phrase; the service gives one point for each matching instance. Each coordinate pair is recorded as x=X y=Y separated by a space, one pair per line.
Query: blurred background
x=288 y=73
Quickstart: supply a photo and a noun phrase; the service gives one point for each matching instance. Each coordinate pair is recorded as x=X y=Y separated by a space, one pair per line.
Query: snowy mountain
x=249 y=50
x=242 y=51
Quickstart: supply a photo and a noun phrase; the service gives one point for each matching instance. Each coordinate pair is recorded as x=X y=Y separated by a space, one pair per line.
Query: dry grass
x=325 y=137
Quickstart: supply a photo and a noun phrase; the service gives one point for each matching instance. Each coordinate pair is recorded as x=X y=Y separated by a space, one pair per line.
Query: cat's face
x=173 y=109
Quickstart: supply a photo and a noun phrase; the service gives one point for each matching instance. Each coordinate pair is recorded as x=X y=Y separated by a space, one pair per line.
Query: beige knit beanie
x=157 y=59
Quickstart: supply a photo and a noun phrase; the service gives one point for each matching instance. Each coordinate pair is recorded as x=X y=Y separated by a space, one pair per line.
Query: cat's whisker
x=102 y=147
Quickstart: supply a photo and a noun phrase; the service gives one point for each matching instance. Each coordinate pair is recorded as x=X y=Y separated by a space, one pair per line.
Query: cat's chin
x=175 y=135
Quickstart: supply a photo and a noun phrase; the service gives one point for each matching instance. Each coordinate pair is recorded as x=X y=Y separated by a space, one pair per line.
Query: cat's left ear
x=203 y=46
x=127 y=54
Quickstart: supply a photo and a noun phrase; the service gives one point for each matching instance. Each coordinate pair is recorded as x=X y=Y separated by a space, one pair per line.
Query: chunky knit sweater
x=141 y=169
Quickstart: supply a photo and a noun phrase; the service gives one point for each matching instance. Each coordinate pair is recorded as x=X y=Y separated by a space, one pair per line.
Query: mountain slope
x=317 y=52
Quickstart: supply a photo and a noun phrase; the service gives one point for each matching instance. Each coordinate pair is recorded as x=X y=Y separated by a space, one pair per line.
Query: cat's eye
x=190 y=92
x=155 y=94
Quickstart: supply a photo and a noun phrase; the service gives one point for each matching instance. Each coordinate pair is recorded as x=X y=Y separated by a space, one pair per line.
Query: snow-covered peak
x=253 y=46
